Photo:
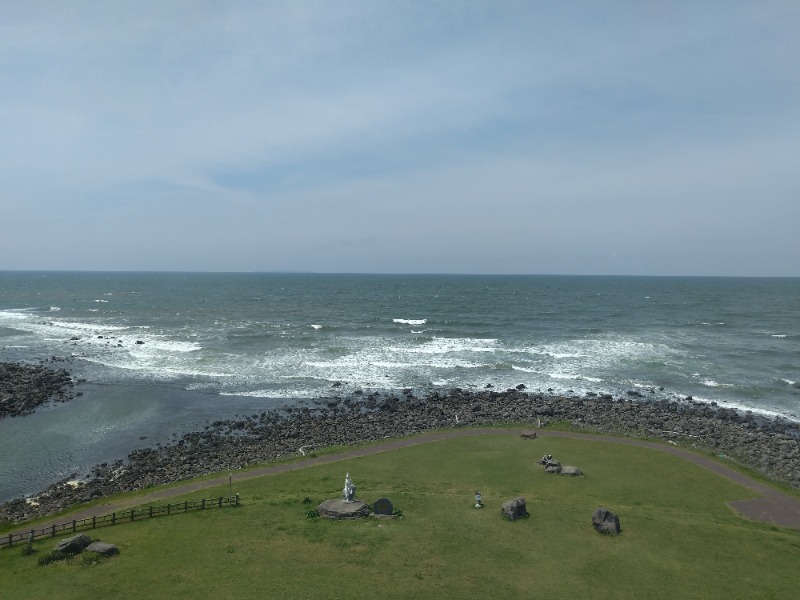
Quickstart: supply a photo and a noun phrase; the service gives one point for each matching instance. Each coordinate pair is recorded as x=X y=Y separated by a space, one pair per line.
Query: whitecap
x=574 y=377
x=17 y=315
x=778 y=335
x=439 y=345
x=411 y=321
x=55 y=308
x=316 y=326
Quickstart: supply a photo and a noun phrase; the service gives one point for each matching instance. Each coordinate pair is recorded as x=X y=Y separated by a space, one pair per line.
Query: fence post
x=10 y=540
x=113 y=518
x=204 y=503
x=186 y=506
x=133 y=512
x=220 y=501
x=73 y=525
x=237 y=498
x=94 y=521
x=53 y=534
x=151 y=511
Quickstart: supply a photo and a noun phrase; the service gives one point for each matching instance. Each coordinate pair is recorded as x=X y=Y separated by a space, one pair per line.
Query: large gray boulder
x=103 y=548
x=514 y=509
x=552 y=466
x=571 y=471
x=604 y=521
x=73 y=545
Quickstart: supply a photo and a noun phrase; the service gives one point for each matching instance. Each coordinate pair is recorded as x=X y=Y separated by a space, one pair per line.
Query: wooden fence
x=117 y=518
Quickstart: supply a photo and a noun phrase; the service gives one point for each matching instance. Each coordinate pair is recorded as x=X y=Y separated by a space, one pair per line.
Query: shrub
x=53 y=556
x=91 y=558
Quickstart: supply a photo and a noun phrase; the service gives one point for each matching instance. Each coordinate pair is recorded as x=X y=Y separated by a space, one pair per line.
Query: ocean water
x=163 y=353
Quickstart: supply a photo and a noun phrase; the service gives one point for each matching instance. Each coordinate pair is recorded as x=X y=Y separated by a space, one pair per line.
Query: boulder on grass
x=514 y=509
x=571 y=471
x=552 y=466
x=73 y=545
x=605 y=521
x=103 y=548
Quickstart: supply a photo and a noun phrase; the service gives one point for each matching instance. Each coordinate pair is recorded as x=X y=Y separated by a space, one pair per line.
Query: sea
x=163 y=354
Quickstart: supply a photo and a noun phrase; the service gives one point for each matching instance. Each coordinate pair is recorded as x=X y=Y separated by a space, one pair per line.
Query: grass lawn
x=679 y=539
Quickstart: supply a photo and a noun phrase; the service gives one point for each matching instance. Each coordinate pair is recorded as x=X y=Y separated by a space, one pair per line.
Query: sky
x=625 y=138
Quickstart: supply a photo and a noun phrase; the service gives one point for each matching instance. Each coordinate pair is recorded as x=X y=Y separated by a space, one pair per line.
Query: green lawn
x=679 y=539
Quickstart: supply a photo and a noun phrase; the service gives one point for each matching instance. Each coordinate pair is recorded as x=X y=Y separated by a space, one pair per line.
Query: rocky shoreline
x=25 y=387
x=770 y=446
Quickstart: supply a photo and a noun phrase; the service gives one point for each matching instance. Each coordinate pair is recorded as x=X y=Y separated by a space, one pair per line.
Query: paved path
x=773 y=506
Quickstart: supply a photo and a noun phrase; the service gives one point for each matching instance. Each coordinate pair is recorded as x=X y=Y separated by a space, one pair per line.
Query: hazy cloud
x=615 y=137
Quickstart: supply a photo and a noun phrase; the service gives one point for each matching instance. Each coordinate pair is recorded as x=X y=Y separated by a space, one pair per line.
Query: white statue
x=349 y=491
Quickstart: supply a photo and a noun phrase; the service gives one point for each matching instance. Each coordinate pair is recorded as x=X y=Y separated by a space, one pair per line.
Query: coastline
x=771 y=446
x=25 y=387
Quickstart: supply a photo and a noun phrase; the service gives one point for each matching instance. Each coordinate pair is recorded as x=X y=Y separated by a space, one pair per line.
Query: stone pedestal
x=339 y=509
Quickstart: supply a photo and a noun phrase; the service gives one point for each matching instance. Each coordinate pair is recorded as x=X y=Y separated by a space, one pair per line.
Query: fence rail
x=117 y=518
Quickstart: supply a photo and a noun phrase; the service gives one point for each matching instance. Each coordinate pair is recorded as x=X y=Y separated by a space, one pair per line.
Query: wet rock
x=24 y=387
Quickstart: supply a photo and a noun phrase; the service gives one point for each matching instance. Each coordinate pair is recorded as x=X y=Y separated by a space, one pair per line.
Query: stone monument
x=346 y=507
x=383 y=507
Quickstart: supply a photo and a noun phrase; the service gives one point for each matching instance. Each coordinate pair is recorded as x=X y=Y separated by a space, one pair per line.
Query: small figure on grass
x=478 y=501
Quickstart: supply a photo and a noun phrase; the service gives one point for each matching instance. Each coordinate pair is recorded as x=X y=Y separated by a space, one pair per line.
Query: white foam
x=743 y=407
x=316 y=326
x=565 y=355
x=55 y=308
x=710 y=383
x=276 y=393
x=439 y=345
x=574 y=377
x=778 y=335
x=411 y=321
x=16 y=315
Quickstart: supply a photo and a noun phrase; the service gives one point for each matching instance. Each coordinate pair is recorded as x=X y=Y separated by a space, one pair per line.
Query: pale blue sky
x=633 y=137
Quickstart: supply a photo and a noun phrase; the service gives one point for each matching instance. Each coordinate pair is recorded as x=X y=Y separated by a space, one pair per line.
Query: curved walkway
x=773 y=506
